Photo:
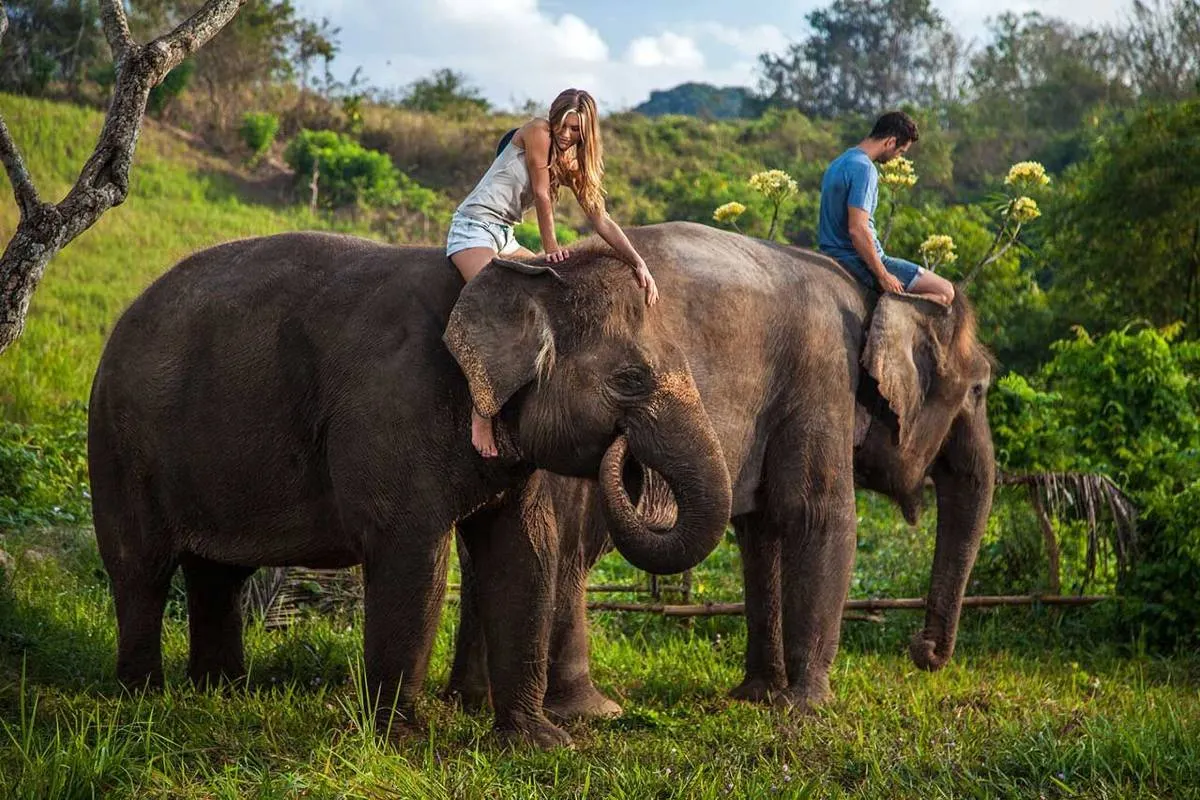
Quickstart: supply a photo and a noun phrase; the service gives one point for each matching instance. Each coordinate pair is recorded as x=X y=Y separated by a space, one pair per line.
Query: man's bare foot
x=481 y=436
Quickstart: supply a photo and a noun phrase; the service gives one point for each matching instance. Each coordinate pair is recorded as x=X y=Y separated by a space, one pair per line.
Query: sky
x=514 y=51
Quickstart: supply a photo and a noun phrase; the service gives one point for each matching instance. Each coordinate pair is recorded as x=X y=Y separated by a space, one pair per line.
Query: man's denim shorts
x=470 y=232
x=905 y=271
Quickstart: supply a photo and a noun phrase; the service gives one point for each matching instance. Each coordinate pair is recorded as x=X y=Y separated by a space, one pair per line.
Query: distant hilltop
x=700 y=100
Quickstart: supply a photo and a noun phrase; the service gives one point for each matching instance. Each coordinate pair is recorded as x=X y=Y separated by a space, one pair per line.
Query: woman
x=542 y=156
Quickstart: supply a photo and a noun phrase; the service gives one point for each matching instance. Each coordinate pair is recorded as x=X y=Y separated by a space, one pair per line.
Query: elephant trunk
x=964 y=477
x=683 y=449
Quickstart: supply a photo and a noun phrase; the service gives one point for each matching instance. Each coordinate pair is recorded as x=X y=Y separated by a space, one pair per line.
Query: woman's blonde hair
x=582 y=170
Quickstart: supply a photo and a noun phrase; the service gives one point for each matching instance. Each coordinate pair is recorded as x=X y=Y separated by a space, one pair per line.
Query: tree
x=1126 y=242
x=1161 y=48
x=444 y=91
x=50 y=40
x=863 y=57
x=45 y=228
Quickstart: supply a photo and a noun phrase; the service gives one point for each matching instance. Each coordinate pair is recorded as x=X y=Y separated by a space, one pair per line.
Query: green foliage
x=258 y=132
x=530 y=237
x=1162 y=591
x=43 y=470
x=1126 y=405
x=172 y=86
x=50 y=41
x=1126 y=241
x=348 y=172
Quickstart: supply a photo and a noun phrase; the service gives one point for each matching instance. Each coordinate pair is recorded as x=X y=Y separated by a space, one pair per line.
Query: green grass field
x=1035 y=703
x=1030 y=707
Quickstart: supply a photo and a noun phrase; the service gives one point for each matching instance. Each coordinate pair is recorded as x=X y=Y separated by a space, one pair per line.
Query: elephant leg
x=813 y=511
x=514 y=554
x=404 y=575
x=583 y=539
x=468 y=674
x=760 y=547
x=214 y=599
x=140 y=565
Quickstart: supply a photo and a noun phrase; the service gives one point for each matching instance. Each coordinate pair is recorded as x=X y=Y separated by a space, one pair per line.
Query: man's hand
x=890 y=283
x=646 y=281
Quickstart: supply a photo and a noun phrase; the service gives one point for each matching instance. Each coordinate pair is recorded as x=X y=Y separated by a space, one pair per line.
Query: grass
x=1032 y=706
x=181 y=199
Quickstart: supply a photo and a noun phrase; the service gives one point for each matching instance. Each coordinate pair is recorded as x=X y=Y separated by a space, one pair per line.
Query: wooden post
x=1051 y=541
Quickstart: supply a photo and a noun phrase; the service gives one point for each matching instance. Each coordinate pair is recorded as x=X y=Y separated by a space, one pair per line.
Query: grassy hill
x=181 y=199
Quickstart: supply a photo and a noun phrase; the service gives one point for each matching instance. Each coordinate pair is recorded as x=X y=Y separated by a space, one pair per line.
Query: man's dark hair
x=898 y=124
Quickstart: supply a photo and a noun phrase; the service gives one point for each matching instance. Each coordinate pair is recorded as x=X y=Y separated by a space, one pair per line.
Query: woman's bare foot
x=481 y=435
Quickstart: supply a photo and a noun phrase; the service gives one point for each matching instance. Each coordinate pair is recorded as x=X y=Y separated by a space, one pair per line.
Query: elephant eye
x=977 y=391
x=634 y=381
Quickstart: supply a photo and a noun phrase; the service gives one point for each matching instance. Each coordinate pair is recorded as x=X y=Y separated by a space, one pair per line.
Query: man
x=849 y=194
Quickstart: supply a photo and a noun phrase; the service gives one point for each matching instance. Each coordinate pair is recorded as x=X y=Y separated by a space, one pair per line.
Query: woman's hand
x=558 y=256
x=646 y=281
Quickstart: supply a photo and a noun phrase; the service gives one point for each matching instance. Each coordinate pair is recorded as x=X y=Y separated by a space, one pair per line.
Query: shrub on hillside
x=258 y=131
x=347 y=171
x=530 y=237
x=172 y=86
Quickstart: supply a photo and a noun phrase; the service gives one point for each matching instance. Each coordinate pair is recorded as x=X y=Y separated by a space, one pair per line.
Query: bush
x=530 y=236
x=258 y=132
x=43 y=471
x=348 y=171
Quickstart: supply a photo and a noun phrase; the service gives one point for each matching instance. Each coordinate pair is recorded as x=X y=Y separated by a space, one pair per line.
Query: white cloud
x=749 y=41
x=666 y=50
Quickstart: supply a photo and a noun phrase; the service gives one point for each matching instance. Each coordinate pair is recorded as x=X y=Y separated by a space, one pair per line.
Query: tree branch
x=193 y=33
x=44 y=228
x=116 y=28
x=25 y=192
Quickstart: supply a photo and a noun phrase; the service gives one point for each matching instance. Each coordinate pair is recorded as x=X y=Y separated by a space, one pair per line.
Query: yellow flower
x=937 y=250
x=729 y=212
x=1022 y=210
x=774 y=183
x=898 y=173
x=1027 y=175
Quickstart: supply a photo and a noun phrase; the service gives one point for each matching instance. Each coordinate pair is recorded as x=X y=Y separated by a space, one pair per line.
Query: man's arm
x=864 y=245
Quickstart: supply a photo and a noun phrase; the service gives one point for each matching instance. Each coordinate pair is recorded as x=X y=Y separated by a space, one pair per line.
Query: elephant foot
x=585 y=703
x=471 y=699
x=802 y=700
x=533 y=729
x=757 y=690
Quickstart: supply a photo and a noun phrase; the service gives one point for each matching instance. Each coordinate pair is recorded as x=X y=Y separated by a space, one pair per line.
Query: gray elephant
x=300 y=400
x=813 y=387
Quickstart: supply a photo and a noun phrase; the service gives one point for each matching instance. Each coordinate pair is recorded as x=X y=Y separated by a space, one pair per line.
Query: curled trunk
x=684 y=451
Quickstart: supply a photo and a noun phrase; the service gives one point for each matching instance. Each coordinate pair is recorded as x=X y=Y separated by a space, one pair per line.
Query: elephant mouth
x=650 y=495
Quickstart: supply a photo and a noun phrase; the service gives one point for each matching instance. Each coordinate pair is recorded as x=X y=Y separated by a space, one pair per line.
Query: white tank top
x=504 y=193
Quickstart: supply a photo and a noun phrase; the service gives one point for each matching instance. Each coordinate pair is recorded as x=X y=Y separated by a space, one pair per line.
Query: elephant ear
x=500 y=335
x=906 y=350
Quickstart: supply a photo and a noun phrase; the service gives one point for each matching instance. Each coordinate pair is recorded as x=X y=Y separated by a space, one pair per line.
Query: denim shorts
x=468 y=232
x=905 y=271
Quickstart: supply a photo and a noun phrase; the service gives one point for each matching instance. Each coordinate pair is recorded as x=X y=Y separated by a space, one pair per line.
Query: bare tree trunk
x=46 y=228
x=1052 y=553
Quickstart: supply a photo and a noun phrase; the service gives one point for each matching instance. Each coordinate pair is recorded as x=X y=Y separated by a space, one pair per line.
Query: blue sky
x=516 y=50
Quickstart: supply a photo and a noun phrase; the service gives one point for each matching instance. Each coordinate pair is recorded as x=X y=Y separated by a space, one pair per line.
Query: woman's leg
x=469 y=262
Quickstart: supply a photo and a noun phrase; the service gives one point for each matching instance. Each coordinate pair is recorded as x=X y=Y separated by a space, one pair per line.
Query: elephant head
x=575 y=365
x=923 y=413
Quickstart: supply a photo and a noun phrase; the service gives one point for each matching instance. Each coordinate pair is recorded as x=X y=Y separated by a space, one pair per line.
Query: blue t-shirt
x=851 y=180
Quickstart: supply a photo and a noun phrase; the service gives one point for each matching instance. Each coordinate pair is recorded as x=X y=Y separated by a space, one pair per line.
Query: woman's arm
x=536 y=141
x=611 y=232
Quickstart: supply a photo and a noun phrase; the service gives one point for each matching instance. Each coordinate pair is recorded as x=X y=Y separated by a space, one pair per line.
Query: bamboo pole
x=720 y=609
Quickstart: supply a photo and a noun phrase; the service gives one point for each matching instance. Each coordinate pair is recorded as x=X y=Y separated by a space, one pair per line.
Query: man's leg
x=919 y=281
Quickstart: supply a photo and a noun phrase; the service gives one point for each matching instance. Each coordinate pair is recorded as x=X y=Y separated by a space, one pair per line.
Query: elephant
x=304 y=399
x=815 y=385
